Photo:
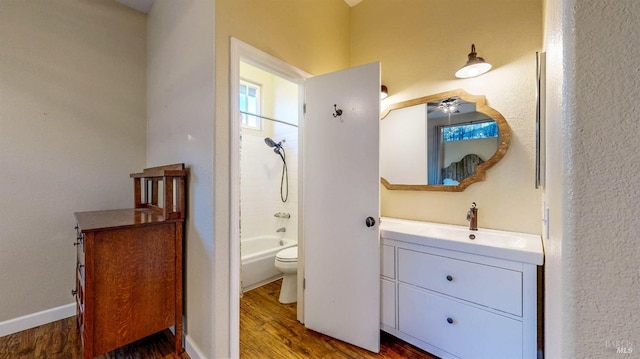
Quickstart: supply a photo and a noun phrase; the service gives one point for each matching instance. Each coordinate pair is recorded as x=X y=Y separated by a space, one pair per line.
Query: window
x=250 y=103
x=470 y=131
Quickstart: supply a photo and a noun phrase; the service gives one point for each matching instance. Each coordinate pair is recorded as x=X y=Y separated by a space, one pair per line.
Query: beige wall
x=311 y=35
x=592 y=251
x=72 y=128
x=180 y=129
x=421 y=44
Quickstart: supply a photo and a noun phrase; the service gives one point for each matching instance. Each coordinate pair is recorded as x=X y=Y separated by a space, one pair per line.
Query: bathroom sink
x=520 y=247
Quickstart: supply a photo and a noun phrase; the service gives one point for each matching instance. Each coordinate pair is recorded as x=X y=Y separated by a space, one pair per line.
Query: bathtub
x=258 y=255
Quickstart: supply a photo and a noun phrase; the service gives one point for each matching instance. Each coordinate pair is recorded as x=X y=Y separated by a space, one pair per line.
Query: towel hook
x=337 y=112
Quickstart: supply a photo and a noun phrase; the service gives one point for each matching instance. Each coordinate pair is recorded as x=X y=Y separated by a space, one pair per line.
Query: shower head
x=271 y=143
x=277 y=147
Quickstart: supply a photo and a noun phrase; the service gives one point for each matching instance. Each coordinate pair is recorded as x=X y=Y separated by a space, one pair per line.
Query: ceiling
x=352 y=3
x=140 y=5
x=145 y=5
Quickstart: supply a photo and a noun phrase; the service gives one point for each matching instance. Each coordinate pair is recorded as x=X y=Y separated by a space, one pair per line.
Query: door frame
x=240 y=51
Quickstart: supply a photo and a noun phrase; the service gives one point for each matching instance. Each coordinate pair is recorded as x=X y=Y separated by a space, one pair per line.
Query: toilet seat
x=288 y=255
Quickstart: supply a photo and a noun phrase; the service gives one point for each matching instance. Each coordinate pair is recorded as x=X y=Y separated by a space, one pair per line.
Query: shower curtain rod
x=268 y=118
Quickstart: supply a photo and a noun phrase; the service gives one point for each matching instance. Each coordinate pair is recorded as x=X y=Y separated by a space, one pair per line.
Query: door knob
x=370 y=222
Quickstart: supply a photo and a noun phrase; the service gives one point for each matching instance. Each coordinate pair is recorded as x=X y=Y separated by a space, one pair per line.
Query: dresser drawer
x=79 y=314
x=80 y=247
x=80 y=296
x=82 y=336
x=80 y=284
x=459 y=329
x=489 y=286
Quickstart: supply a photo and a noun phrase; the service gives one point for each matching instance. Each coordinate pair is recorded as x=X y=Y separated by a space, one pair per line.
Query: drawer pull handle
x=449 y=278
x=450 y=320
x=74 y=292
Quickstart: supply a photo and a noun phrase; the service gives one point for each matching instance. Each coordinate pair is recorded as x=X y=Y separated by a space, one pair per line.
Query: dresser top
x=118 y=218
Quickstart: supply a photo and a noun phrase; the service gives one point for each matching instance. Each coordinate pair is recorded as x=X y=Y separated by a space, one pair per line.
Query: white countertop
x=514 y=246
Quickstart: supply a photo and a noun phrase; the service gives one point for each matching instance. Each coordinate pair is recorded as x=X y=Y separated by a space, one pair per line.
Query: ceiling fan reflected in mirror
x=448 y=105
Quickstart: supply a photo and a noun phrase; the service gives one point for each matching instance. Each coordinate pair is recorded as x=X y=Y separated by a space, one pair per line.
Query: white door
x=341 y=189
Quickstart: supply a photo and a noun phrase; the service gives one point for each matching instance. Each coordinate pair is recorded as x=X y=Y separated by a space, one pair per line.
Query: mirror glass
x=442 y=142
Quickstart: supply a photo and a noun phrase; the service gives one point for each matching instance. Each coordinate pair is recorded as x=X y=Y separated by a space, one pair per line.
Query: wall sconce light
x=383 y=92
x=475 y=66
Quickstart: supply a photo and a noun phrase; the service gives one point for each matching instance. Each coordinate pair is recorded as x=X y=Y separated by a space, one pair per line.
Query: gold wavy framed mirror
x=442 y=142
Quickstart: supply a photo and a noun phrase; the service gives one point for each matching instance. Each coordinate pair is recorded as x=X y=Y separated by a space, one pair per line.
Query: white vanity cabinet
x=457 y=304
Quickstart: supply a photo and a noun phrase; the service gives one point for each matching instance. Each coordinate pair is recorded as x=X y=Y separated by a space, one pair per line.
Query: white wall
x=403 y=146
x=180 y=119
x=72 y=129
x=602 y=182
x=558 y=336
x=592 y=277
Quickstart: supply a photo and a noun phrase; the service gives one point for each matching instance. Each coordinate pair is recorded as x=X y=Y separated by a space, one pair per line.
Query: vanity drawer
x=459 y=329
x=388 y=261
x=494 y=287
x=388 y=303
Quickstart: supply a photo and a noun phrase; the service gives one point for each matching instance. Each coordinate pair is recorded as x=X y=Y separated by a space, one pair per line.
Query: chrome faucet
x=282 y=215
x=472 y=217
x=281 y=230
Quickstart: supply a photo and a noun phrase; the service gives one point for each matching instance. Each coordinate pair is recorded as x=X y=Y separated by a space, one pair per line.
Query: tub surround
x=441 y=288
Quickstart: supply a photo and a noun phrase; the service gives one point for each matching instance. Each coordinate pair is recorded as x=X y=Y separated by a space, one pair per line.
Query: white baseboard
x=33 y=320
x=36 y=319
x=192 y=350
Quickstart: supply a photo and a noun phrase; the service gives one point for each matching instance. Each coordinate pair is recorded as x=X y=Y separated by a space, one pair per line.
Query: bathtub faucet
x=281 y=230
x=282 y=215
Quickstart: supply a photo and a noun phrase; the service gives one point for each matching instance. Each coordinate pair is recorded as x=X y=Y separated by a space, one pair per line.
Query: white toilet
x=287 y=263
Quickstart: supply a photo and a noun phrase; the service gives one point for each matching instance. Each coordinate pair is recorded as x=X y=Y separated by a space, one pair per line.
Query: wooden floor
x=269 y=329
x=60 y=340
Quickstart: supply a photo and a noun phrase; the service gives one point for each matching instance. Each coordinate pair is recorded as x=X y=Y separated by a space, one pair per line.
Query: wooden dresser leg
x=178 y=339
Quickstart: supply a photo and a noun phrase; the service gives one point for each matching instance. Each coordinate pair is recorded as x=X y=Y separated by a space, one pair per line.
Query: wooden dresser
x=129 y=265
